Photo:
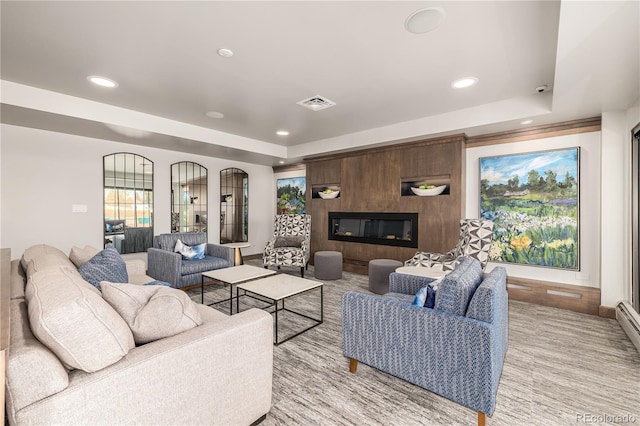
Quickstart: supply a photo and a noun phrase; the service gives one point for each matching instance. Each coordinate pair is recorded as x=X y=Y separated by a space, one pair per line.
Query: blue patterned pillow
x=421 y=296
x=157 y=282
x=426 y=296
x=107 y=265
x=190 y=252
x=431 y=297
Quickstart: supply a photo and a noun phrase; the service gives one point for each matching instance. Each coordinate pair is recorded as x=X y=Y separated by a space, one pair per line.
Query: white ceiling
x=389 y=85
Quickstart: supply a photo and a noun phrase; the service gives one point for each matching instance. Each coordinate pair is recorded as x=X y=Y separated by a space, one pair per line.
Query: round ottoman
x=379 y=270
x=327 y=265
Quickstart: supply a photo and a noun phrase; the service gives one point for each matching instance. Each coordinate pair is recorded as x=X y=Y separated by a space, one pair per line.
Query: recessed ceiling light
x=526 y=122
x=214 y=114
x=225 y=53
x=102 y=81
x=461 y=83
x=281 y=162
x=282 y=133
x=424 y=20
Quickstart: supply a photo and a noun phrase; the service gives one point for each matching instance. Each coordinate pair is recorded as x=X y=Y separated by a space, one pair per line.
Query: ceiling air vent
x=316 y=103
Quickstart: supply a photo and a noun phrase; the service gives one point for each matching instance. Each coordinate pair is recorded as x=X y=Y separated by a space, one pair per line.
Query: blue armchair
x=456 y=349
x=166 y=265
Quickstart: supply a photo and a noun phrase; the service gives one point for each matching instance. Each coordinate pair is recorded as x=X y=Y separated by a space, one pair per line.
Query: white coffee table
x=422 y=271
x=277 y=289
x=232 y=276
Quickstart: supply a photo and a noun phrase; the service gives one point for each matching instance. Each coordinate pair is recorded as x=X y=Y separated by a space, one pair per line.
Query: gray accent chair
x=136 y=240
x=169 y=266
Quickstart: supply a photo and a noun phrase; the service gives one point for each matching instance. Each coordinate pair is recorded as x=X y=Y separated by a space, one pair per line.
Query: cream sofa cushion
x=80 y=256
x=30 y=362
x=152 y=312
x=74 y=322
x=39 y=250
x=140 y=279
x=40 y=257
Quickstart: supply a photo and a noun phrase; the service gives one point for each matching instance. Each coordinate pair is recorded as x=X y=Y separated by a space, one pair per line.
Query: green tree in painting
x=484 y=186
x=551 y=182
x=291 y=196
x=533 y=179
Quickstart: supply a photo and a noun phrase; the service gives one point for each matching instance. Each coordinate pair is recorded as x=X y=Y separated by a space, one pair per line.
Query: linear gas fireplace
x=391 y=229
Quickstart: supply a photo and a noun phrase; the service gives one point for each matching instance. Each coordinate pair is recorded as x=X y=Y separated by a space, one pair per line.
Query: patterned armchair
x=290 y=244
x=475 y=240
x=455 y=349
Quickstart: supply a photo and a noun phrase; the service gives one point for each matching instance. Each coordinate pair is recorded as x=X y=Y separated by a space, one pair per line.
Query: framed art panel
x=533 y=200
x=291 y=193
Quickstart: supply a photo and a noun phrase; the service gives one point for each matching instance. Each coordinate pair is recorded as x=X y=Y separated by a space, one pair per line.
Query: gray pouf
x=327 y=265
x=379 y=270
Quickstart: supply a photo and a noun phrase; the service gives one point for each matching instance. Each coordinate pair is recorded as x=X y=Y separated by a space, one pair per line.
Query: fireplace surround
x=391 y=229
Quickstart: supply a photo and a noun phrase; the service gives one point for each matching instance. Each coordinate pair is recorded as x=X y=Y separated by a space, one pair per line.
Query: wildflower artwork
x=533 y=200
x=291 y=194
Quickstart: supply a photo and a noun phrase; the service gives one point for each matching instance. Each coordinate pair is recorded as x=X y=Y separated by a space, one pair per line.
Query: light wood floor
x=562 y=368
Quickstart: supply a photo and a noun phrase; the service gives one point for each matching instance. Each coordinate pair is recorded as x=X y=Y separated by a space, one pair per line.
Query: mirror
x=234 y=206
x=128 y=202
x=188 y=197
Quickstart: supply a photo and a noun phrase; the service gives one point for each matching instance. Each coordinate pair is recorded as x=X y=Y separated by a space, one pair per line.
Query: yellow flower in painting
x=556 y=244
x=521 y=243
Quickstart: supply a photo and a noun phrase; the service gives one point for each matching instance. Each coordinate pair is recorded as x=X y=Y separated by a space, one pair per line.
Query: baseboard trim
x=607 y=312
x=564 y=296
x=360 y=267
x=252 y=256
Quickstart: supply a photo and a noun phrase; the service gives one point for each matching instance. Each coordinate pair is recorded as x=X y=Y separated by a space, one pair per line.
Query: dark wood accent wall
x=370 y=181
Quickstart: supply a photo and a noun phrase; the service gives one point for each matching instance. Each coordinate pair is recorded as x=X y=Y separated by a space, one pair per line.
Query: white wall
x=616 y=204
x=589 y=143
x=615 y=208
x=633 y=119
x=43 y=173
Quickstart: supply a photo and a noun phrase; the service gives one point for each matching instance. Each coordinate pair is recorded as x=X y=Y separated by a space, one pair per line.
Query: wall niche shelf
x=407 y=183
x=316 y=189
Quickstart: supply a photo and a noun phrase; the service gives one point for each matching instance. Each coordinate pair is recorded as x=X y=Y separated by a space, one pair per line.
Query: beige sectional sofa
x=73 y=360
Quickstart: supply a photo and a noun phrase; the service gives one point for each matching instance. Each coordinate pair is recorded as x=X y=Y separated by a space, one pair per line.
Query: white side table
x=237 y=254
x=421 y=271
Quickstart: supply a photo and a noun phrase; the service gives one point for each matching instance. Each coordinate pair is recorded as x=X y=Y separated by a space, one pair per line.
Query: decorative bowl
x=429 y=192
x=333 y=194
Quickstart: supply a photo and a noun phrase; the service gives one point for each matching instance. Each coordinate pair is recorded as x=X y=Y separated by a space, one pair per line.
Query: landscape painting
x=291 y=193
x=533 y=200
